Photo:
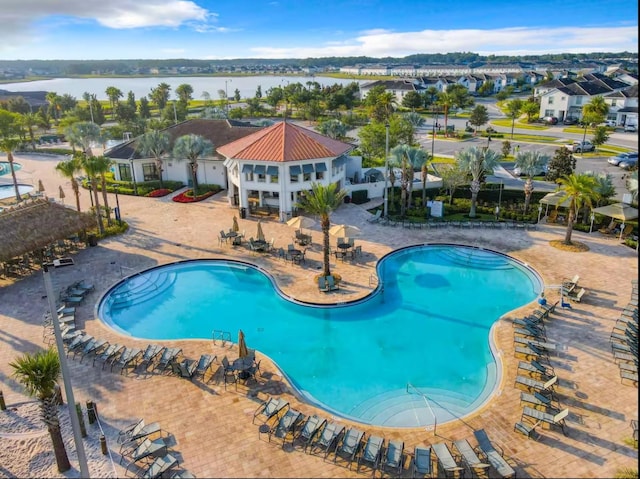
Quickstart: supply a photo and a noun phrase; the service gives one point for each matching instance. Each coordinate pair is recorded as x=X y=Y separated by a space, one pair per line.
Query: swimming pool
x=5 y=167
x=418 y=347
x=8 y=191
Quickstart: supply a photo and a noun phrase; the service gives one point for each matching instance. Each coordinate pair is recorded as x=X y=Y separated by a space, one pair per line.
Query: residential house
x=399 y=88
x=272 y=167
x=623 y=106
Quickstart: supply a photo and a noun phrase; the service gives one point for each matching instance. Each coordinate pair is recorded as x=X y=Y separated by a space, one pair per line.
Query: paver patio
x=212 y=427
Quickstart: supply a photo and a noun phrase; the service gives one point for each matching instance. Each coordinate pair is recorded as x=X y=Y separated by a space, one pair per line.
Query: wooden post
x=3 y=406
x=103 y=444
x=83 y=429
x=91 y=412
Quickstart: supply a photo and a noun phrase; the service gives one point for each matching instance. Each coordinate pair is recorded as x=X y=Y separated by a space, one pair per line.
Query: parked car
x=615 y=160
x=629 y=164
x=570 y=121
x=551 y=120
x=611 y=123
x=542 y=172
x=631 y=127
x=580 y=146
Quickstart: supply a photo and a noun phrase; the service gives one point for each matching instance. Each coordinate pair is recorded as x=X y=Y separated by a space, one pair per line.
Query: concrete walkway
x=212 y=427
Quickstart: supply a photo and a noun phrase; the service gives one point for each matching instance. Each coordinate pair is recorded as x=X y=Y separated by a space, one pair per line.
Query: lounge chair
x=536 y=343
x=349 y=446
x=331 y=283
x=569 y=285
x=328 y=438
x=311 y=428
x=445 y=459
x=609 y=229
x=137 y=430
x=626 y=232
x=529 y=332
x=527 y=428
x=92 y=347
x=185 y=368
x=204 y=364
x=270 y=408
x=83 y=285
x=286 y=426
x=371 y=453
x=159 y=466
x=78 y=342
x=375 y=218
x=537 y=369
x=135 y=451
x=531 y=351
x=228 y=373
x=534 y=385
x=322 y=284
x=578 y=296
x=493 y=456
x=150 y=354
x=421 y=462
x=625 y=357
x=470 y=458
x=128 y=356
x=538 y=399
x=557 y=419
x=629 y=376
x=393 y=458
x=108 y=354
x=168 y=355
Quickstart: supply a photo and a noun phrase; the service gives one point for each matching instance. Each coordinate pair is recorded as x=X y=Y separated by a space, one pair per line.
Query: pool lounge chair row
x=624 y=340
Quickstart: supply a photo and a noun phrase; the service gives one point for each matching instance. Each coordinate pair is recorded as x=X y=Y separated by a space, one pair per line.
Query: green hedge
x=359 y=196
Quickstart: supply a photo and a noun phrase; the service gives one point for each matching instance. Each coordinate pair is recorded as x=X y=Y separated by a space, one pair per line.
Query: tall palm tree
x=29 y=121
x=594 y=112
x=114 y=94
x=530 y=163
x=54 y=104
x=409 y=159
x=38 y=373
x=192 y=147
x=102 y=167
x=9 y=145
x=445 y=101
x=155 y=144
x=477 y=162
x=579 y=189
x=92 y=168
x=69 y=169
x=84 y=134
x=322 y=200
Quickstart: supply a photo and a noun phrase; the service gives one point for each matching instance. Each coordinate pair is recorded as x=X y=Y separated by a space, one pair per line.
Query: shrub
x=158 y=193
x=187 y=197
x=360 y=196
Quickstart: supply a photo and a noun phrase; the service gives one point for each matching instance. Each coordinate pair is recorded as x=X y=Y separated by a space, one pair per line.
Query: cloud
x=505 y=41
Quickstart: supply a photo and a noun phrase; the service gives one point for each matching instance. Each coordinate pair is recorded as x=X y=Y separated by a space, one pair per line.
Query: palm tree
x=192 y=147
x=530 y=163
x=30 y=120
x=38 y=373
x=409 y=159
x=632 y=185
x=579 y=189
x=54 y=104
x=84 y=134
x=69 y=169
x=9 y=145
x=514 y=108
x=114 y=94
x=594 y=112
x=322 y=201
x=92 y=167
x=445 y=101
x=155 y=144
x=102 y=167
x=477 y=162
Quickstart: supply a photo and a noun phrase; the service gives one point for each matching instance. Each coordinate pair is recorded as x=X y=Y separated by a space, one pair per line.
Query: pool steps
x=476 y=258
x=138 y=289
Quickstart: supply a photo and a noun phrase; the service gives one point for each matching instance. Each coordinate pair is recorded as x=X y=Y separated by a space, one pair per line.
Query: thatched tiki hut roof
x=37 y=223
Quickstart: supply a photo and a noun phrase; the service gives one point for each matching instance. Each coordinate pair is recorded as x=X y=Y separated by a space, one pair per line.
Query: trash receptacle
x=243 y=213
x=347 y=199
x=92 y=240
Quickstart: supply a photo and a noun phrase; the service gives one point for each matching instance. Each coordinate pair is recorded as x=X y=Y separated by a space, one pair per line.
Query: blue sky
x=208 y=29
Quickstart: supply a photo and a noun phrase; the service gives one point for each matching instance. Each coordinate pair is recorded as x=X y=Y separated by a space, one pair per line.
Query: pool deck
x=212 y=427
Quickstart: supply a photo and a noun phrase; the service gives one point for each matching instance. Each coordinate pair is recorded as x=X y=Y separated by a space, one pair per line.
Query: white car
x=611 y=123
x=542 y=172
x=580 y=146
x=631 y=127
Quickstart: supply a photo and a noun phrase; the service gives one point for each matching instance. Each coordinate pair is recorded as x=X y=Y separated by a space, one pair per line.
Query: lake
x=76 y=87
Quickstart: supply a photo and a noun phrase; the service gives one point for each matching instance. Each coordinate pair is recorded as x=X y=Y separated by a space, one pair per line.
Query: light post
x=433 y=139
x=386 y=170
x=539 y=212
x=118 y=218
x=66 y=378
x=500 y=194
x=133 y=177
x=593 y=217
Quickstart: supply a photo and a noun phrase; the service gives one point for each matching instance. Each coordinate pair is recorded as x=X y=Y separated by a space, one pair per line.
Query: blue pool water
x=416 y=348
x=8 y=191
x=5 y=167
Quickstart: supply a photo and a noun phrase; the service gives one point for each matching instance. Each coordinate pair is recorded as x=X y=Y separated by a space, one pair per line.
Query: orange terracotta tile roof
x=284 y=142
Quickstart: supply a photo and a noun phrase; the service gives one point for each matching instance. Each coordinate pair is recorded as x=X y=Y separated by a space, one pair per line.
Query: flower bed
x=158 y=193
x=187 y=197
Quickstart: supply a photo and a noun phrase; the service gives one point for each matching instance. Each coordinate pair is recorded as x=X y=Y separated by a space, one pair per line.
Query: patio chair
x=529 y=332
x=607 y=230
x=534 y=385
x=551 y=419
x=375 y=218
x=393 y=458
x=537 y=369
x=78 y=342
x=421 y=464
x=270 y=408
x=228 y=373
x=527 y=429
x=349 y=446
x=578 y=296
x=185 y=368
x=204 y=364
x=445 y=459
x=570 y=284
x=137 y=430
x=168 y=355
x=470 y=458
x=150 y=354
x=82 y=284
x=539 y=399
x=538 y=345
x=128 y=356
x=159 y=466
x=322 y=284
x=135 y=451
x=493 y=456
x=311 y=428
x=371 y=453
x=93 y=346
x=626 y=232
x=331 y=284
x=108 y=354
x=328 y=437
x=286 y=426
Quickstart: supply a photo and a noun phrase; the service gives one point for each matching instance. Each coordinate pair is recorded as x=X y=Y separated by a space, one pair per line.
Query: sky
x=223 y=29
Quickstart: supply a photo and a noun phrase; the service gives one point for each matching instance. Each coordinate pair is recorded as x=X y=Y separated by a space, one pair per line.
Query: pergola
x=35 y=224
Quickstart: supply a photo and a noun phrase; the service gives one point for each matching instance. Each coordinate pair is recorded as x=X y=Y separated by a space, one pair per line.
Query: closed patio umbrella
x=347 y=231
x=243 y=352
x=61 y=193
x=235 y=226
x=260 y=233
x=40 y=187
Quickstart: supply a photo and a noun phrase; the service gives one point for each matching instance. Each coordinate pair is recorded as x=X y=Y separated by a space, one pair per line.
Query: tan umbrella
x=243 y=352
x=299 y=222
x=344 y=231
x=61 y=193
x=260 y=233
x=40 y=187
x=235 y=226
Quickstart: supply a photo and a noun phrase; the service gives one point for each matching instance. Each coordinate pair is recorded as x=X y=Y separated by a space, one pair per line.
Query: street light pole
x=386 y=170
x=66 y=377
x=118 y=217
x=433 y=138
x=133 y=177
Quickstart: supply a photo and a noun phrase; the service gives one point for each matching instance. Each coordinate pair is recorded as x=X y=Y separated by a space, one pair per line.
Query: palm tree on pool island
x=38 y=373
x=322 y=200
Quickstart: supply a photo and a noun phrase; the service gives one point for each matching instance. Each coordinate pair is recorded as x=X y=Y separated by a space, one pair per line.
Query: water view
x=76 y=87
